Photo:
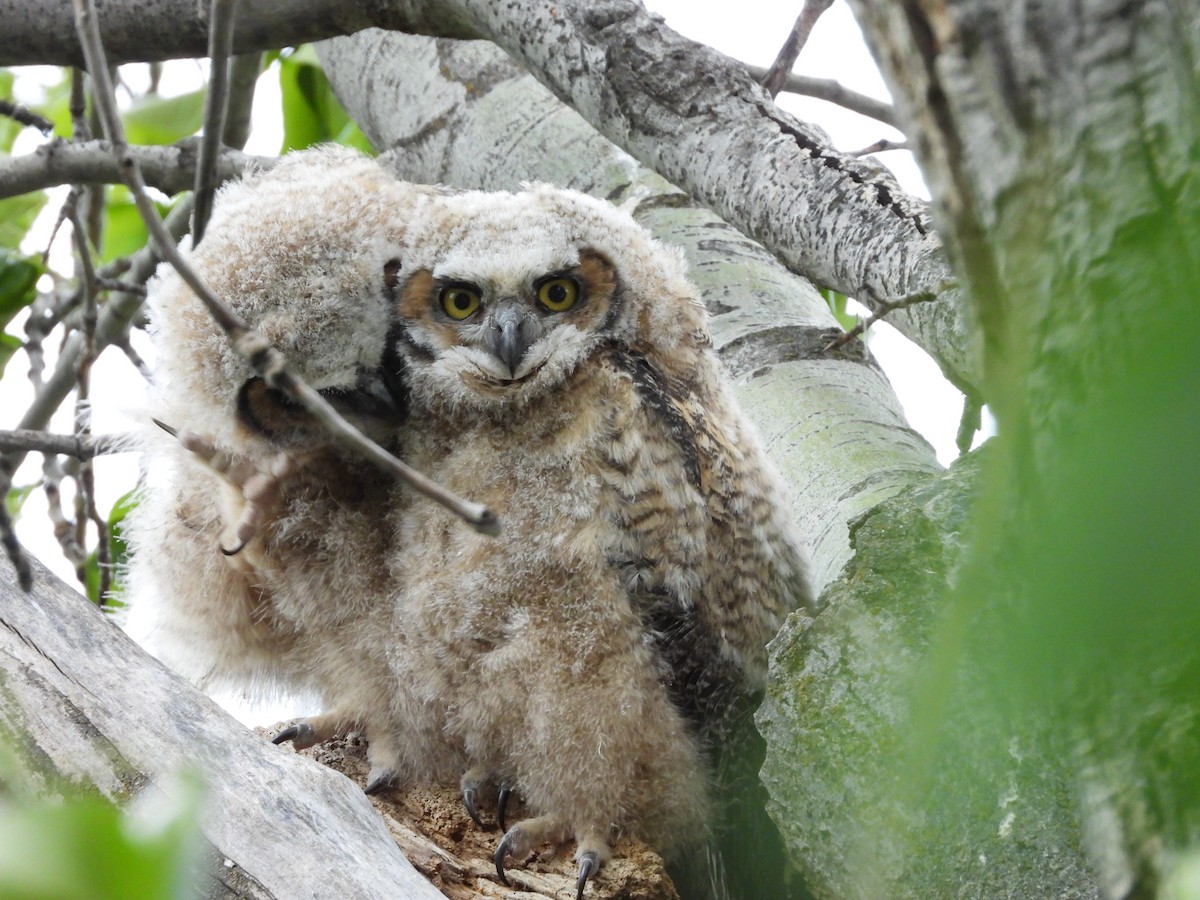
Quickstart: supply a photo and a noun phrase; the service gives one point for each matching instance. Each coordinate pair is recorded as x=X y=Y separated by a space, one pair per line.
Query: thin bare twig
x=80 y=446
x=8 y=533
x=243 y=79
x=773 y=80
x=25 y=116
x=970 y=422
x=251 y=345
x=85 y=481
x=832 y=92
x=111 y=284
x=883 y=308
x=114 y=324
x=220 y=43
x=880 y=146
x=134 y=357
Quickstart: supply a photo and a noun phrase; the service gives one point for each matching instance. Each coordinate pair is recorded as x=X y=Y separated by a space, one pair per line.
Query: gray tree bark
x=1019 y=718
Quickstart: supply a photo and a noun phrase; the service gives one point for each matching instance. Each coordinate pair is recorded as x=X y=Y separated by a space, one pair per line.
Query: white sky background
x=751 y=32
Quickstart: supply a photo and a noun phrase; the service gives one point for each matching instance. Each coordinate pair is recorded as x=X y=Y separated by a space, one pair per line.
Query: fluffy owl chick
x=298 y=252
x=558 y=368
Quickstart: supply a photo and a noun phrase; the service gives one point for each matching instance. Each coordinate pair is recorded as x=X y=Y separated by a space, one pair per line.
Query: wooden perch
x=96 y=710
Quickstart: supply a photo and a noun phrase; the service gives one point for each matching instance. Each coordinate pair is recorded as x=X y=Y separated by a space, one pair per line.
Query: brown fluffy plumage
x=556 y=366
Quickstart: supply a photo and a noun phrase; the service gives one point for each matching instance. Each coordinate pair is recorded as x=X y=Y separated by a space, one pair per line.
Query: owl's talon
x=589 y=864
x=503 y=849
x=468 y=796
x=233 y=551
x=302 y=735
x=379 y=780
x=502 y=804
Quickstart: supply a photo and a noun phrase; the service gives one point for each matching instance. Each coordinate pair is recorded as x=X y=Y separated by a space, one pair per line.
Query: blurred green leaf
x=88 y=849
x=837 y=305
x=9 y=129
x=18 y=283
x=155 y=120
x=311 y=112
x=14 y=500
x=118 y=552
x=56 y=105
x=124 y=230
x=9 y=344
x=17 y=214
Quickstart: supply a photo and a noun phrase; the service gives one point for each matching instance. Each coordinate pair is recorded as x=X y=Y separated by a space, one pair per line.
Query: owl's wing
x=712 y=564
x=711 y=561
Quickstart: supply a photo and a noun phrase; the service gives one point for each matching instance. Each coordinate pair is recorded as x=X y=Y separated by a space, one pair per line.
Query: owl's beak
x=512 y=329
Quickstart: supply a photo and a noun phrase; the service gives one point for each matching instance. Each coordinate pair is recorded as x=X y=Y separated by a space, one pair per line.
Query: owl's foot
x=474 y=781
x=591 y=852
x=308 y=732
x=255 y=485
x=380 y=778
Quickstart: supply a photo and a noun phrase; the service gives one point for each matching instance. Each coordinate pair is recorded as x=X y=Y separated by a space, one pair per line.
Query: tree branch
x=80 y=446
x=775 y=76
x=216 y=104
x=169 y=169
x=837 y=220
x=832 y=92
x=38 y=33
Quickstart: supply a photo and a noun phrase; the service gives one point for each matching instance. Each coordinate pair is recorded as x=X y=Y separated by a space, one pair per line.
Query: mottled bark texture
x=1057 y=661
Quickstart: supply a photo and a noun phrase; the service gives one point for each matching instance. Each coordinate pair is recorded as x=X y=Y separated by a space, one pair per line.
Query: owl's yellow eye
x=558 y=294
x=459 y=301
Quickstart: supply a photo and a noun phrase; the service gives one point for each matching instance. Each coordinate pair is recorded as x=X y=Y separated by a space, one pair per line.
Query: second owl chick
x=297 y=601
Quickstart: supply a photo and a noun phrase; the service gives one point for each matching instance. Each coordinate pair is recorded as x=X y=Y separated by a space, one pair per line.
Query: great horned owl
x=534 y=351
x=558 y=368
x=304 y=606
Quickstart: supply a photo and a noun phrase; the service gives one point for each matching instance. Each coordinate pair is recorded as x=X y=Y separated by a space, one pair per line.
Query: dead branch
x=790 y=51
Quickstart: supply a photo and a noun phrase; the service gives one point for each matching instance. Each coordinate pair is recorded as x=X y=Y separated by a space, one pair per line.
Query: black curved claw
x=501 y=804
x=502 y=851
x=468 y=796
x=236 y=550
x=379 y=782
x=589 y=864
x=292 y=732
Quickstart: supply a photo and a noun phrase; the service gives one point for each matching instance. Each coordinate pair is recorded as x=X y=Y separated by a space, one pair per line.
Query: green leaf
x=837 y=305
x=56 y=104
x=17 y=214
x=14 y=500
x=124 y=230
x=88 y=849
x=9 y=129
x=155 y=120
x=9 y=344
x=311 y=112
x=118 y=550
x=18 y=283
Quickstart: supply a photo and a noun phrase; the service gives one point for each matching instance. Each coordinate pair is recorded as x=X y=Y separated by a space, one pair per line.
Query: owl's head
x=499 y=297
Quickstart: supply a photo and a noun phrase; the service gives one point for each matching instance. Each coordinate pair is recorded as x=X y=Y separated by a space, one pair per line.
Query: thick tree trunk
x=1026 y=720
